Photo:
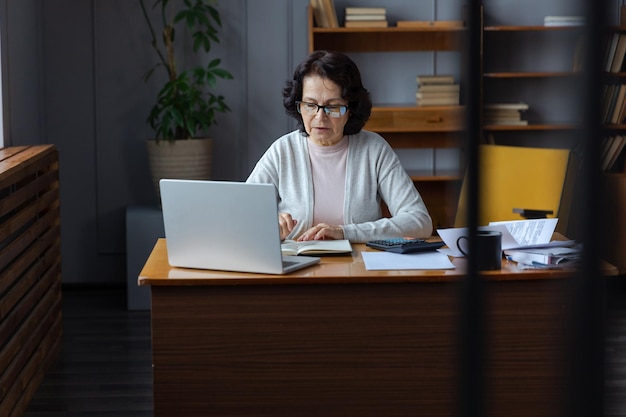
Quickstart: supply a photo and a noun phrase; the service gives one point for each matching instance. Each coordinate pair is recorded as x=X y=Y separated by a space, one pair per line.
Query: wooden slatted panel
x=30 y=272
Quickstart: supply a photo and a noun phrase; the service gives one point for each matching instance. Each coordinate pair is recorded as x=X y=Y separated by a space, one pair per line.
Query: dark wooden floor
x=105 y=365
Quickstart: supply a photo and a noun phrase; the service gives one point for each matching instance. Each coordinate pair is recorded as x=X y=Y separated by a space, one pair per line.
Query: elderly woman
x=330 y=174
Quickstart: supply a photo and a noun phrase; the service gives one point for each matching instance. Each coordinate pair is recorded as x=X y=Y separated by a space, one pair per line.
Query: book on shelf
x=437 y=94
x=430 y=23
x=618 y=107
x=434 y=79
x=607 y=99
x=609 y=54
x=506 y=106
x=613 y=148
x=606 y=145
x=365 y=17
x=318 y=16
x=620 y=51
x=316 y=247
x=438 y=101
x=366 y=10
x=622 y=113
x=366 y=24
x=439 y=88
x=331 y=12
x=505 y=114
x=510 y=117
x=325 y=13
x=564 y=20
x=613 y=110
x=617 y=162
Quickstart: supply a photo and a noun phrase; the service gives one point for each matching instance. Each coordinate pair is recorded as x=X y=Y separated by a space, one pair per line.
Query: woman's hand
x=286 y=224
x=322 y=231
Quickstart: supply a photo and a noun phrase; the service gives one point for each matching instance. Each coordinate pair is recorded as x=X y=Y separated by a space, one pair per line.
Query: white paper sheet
x=382 y=261
x=529 y=232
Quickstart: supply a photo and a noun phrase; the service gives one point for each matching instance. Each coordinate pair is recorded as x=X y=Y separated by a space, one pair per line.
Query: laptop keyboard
x=287 y=264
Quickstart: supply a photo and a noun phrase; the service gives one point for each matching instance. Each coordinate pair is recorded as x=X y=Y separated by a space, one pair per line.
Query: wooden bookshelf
x=390 y=39
x=511 y=71
x=613 y=193
x=406 y=125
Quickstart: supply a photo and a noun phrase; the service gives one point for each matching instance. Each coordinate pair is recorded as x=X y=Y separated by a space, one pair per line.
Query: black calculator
x=404 y=245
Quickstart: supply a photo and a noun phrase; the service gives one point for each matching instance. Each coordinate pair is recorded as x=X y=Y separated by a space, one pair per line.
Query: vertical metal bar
x=471 y=317
x=586 y=355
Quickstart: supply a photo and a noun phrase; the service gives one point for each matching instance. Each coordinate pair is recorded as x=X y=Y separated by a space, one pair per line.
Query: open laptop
x=229 y=226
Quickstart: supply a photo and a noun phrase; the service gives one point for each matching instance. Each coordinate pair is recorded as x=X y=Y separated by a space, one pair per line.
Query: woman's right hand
x=286 y=224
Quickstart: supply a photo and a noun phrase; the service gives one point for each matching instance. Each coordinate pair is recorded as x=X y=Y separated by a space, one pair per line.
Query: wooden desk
x=338 y=340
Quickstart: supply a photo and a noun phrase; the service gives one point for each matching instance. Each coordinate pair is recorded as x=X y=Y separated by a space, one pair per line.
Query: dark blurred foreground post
x=471 y=317
x=587 y=316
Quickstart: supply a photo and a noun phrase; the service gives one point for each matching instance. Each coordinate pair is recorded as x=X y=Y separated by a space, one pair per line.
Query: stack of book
x=437 y=90
x=366 y=17
x=564 y=21
x=612 y=150
x=509 y=114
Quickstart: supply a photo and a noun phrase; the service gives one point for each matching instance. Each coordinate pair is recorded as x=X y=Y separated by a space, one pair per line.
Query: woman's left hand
x=322 y=231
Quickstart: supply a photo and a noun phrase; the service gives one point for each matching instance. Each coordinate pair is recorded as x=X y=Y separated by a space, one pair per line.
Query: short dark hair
x=341 y=70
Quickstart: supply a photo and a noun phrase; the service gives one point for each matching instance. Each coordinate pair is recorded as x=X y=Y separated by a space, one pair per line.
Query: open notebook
x=316 y=247
x=231 y=226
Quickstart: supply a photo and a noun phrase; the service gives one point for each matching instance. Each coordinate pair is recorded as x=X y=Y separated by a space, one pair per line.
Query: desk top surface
x=349 y=269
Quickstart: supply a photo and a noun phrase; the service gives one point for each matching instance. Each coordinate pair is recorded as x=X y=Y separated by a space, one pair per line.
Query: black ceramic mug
x=489 y=247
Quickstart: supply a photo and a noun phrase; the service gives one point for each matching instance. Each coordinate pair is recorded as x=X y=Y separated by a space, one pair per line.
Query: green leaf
x=223 y=74
x=185 y=105
x=198 y=40
x=215 y=15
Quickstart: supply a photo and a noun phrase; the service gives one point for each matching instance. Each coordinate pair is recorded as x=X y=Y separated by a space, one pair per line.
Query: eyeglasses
x=311 y=109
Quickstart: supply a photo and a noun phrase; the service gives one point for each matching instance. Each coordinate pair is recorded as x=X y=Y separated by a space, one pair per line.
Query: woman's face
x=323 y=129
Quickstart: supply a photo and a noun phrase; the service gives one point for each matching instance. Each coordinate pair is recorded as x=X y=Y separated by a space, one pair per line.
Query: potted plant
x=185 y=107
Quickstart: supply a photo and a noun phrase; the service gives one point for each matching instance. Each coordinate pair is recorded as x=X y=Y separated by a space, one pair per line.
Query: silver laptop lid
x=222 y=225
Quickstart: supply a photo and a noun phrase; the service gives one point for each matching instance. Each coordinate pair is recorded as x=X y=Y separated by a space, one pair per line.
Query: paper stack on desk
x=544 y=257
x=516 y=234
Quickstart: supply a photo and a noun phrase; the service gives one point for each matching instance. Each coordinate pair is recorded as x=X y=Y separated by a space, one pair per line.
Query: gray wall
x=72 y=76
x=22 y=75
